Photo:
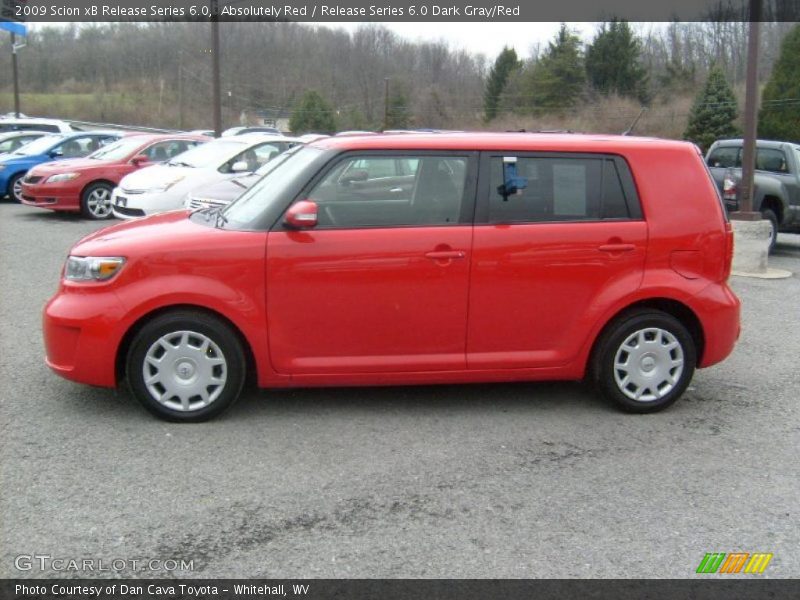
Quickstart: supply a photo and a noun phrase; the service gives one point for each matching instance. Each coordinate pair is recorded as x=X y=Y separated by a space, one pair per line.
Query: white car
x=166 y=186
x=34 y=124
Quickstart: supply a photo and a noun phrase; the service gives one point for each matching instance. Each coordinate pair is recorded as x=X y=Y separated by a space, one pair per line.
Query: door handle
x=445 y=254
x=617 y=248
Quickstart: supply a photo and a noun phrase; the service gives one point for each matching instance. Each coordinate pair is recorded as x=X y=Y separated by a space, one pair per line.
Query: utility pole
x=385 y=103
x=15 y=73
x=215 y=68
x=180 y=89
x=745 y=212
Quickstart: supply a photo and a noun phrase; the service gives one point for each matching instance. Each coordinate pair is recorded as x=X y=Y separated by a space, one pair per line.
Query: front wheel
x=15 y=187
x=644 y=361
x=186 y=366
x=96 y=201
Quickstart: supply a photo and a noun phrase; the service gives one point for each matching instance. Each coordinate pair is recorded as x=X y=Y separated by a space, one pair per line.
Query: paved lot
x=523 y=480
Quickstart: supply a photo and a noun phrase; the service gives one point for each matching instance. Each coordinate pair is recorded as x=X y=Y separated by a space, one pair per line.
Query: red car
x=85 y=184
x=414 y=259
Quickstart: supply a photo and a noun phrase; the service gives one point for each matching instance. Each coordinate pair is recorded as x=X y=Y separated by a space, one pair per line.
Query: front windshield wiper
x=239 y=183
x=212 y=212
x=178 y=163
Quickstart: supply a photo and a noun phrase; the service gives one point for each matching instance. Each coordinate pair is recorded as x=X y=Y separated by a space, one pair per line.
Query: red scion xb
x=85 y=184
x=414 y=259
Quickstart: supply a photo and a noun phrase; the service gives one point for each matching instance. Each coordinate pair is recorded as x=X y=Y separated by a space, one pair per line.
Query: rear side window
x=772 y=160
x=558 y=189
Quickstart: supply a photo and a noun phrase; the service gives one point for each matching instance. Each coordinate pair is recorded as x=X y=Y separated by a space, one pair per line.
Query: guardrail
x=84 y=125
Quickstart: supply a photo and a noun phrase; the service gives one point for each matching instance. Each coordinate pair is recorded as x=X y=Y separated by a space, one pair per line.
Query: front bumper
x=52 y=196
x=82 y=331
x=130 y=206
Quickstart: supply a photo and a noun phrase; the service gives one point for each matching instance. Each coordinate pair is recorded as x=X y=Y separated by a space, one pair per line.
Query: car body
x=205 y=132
x=51 y=147
x=251 y=129
x=13 y=140
x=414 y=259
x=35 y=124
x=85 y=184
x=776 y=190
x=165 y=187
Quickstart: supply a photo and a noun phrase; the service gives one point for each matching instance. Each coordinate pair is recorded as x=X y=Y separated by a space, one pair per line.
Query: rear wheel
x=770 y=216
x=644 y=361
x=186 y=366
x=96 y=201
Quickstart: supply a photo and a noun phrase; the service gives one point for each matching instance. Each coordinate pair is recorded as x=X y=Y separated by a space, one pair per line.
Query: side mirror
x=56 y=153
x=139 y=160
x=512 y=183
x=240 y=166
x=352 y=176
x=301 y=215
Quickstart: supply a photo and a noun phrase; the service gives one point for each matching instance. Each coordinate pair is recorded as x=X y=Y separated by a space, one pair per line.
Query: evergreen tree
x=399 y=116
x=505 y=64
x=312 y=114
x=779 y=118
x=613 y=62
x=713 y=113
x=558 y=79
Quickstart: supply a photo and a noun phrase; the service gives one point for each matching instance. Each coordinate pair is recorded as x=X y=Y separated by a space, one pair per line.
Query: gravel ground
x=522 y=480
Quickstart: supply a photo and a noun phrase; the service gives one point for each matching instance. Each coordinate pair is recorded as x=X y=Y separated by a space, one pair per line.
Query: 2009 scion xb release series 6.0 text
x=414 y=259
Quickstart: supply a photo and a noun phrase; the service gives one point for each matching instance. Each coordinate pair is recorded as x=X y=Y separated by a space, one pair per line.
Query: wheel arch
x=775 y=204
x=125 y=344
x=670 y=306
x=95 y=181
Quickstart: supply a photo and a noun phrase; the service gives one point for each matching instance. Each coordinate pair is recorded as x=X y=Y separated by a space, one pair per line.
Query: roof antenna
x=629 y=130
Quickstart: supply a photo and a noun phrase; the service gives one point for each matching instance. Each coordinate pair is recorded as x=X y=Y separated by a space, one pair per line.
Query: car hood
x=161 y=238
x=226 y=191
x=14 y=159
x=155 y=176
x=68 y=164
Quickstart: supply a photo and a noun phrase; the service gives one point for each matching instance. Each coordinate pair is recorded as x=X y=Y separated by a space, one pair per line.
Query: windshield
x=117 y=150
x=208 y=155
x=43 y=144
x=283 y=173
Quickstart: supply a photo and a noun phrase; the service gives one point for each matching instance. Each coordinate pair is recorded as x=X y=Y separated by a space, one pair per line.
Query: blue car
x=47 y=148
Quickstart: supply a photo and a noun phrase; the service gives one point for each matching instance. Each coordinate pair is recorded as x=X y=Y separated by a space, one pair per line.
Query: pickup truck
x=776 y=192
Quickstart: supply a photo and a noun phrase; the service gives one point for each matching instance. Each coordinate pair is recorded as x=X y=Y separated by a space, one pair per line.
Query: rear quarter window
x=563 y=188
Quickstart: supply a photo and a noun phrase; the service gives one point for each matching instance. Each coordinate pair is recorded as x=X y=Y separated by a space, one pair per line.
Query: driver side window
x=396 y=191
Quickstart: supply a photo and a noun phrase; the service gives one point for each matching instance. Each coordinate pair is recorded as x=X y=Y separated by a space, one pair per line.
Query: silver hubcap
x=185 y=371
x=648 y=364
x=99 y=202
x=18 y=189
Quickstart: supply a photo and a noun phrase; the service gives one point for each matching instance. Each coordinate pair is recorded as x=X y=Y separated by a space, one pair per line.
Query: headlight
x=62 y=177
x=92 y=268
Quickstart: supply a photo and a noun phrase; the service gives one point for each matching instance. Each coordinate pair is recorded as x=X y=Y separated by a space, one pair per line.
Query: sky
x=477 y=38
x=483 y=38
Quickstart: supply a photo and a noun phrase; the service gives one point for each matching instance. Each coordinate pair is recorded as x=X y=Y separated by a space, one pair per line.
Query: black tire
x=637 y=337
x=770 y=216
x=190 y=367
x=12 y=183
x=96 y=201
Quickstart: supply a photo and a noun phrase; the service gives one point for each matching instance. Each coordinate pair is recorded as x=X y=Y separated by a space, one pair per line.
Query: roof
x=496 y=141
x=759 y=143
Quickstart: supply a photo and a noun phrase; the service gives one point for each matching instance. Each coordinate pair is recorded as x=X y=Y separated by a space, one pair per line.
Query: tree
x=399 y=114
x=312 y=114
x=779 y=117
x=506 y=63
x=613 y=62
x=558 y=78
x=713 y=113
